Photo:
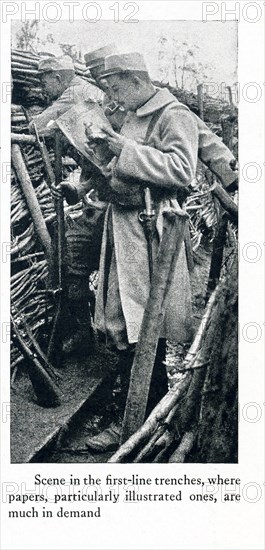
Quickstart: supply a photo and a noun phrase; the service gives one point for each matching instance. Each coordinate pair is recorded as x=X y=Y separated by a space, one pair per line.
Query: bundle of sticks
x=29 y=269
x=24 y=67
x=214 y=107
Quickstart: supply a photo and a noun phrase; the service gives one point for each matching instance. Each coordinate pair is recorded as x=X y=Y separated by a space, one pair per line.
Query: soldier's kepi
x=63 y=89
x=95 y=63
x=95 y=60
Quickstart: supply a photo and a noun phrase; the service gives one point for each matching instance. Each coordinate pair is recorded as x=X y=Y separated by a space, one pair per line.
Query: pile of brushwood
x=32 y=228
x=33 y=216
x=197 y=419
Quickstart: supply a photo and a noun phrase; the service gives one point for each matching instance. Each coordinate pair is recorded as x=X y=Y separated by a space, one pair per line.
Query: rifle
x=57 y=275
x=47 y=393
x=43 y=150
x=60 y=248
x=35 y=345
x=227 y=205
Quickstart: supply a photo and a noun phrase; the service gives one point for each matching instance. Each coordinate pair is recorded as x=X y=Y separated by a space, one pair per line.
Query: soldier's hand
x=234 y=165
x=93 y=134
x=107 y=170
x=64 y=189
x=115 y=141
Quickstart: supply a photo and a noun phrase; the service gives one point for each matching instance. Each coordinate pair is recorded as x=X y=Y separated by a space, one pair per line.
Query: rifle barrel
x=45 y=156
x=59 y=209
x=60 y=249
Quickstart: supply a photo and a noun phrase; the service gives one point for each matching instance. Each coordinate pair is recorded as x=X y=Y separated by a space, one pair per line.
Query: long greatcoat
x=166 y=163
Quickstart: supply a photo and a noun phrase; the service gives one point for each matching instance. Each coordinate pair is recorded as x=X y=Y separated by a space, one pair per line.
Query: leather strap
x=154 y=120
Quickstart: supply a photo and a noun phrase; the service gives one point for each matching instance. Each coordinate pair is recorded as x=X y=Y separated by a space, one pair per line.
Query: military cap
x=97 y=57
x=48 y=64
x=119 y=63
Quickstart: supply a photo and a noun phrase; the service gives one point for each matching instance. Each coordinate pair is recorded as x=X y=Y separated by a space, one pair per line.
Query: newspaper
x=73 y=124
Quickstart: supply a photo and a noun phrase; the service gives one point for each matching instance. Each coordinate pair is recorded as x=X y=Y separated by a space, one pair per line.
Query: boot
x=81 y=342
x=109 y=439
x=81 y=338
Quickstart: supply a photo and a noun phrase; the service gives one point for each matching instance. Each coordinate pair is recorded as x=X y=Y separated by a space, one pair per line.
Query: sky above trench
x=217 y=42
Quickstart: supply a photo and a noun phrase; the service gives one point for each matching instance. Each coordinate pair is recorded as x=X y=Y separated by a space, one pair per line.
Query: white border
x=201 y=526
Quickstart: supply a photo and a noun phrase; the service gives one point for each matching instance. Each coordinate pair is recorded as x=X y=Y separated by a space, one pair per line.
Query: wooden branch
x=227 y=204
x=227 y=123
x=32 y=202
x=165 y=441
x=184 y=447
x=226 y=201
x=27 y=257
x=26 y=71
x=218 y=418
x=22 y=138
x=158 y=433
x=196 y=344
x=188 y=412
x=150 y=431
x=156 y=417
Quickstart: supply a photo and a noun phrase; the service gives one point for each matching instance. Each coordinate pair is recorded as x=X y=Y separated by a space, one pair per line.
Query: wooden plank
x=144 y=359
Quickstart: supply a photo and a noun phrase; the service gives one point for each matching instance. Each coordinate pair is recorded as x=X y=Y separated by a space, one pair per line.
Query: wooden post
x=200 y=100
x=188 y=249
x=221 y=230
x=144 y=359
x=228 y=130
